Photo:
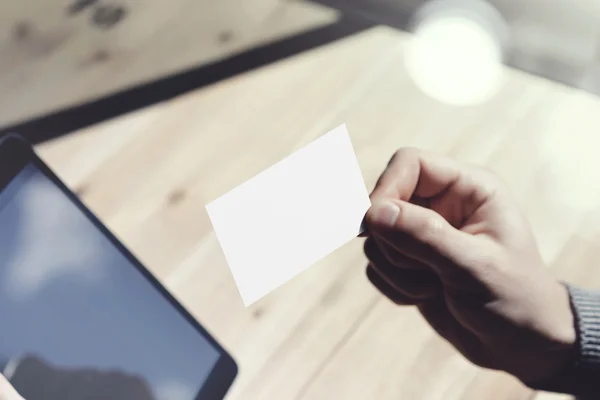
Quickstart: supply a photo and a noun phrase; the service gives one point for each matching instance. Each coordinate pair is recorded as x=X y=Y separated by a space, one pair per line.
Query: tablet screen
x=78 y=320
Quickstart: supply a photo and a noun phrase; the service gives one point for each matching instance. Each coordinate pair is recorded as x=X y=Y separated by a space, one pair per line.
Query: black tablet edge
x=220 y=380
x=20 y=153
x=16 y=154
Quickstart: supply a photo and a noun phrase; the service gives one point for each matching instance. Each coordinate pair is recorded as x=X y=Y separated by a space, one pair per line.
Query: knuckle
x=403 y=153
x=431 y=229
x=493 y=262
x=486 y=180
x=488 y=263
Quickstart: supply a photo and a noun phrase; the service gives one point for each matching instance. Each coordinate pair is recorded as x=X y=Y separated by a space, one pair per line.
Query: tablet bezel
x=15 y=154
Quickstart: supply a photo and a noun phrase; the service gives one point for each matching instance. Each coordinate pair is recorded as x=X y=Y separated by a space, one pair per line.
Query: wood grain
x=51 y=58
x=328 y=334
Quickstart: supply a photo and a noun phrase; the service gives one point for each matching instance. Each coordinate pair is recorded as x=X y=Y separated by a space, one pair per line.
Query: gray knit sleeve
x=582 y=376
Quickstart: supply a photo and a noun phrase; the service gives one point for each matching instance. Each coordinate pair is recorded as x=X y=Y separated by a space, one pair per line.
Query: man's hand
x=7 y=392
x=449 y=239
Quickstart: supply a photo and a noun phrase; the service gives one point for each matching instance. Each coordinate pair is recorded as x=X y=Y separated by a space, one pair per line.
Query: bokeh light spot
x=456 y=56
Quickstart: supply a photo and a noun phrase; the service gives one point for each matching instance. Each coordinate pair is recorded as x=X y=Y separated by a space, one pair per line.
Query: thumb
x=418 y=232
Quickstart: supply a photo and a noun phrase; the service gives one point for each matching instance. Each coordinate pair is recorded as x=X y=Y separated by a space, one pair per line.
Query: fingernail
x=385 y=214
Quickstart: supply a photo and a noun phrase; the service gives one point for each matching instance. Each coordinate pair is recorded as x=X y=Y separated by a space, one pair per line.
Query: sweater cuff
x=581 y=377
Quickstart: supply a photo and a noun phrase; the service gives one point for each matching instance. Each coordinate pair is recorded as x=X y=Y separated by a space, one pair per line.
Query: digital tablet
x=80 y=317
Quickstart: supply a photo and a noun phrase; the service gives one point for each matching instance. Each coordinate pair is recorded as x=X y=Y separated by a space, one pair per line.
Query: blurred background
x=555 y=39
x=101 y=58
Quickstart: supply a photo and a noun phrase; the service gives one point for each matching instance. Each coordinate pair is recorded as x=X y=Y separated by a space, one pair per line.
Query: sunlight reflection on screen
x=74 y=307
x=174 y=390
x=39 y=258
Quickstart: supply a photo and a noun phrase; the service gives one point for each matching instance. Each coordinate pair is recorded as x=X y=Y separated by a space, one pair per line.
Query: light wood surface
x=51 y=59
x=328 y=334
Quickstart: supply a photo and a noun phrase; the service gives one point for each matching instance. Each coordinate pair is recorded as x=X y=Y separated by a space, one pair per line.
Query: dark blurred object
x=35 y=379
x=106 y=17
x=56 y=124
x=80 y=5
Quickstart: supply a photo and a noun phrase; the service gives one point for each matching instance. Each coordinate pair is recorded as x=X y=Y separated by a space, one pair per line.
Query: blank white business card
x=291 y=215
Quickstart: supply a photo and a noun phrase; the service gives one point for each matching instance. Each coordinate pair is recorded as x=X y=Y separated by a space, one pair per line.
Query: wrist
x=555 y=347
x=563 y=349
x=563 y=336
x=579 y=376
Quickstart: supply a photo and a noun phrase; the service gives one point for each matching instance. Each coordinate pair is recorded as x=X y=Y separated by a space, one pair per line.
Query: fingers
x=379 y=252
x=452 y=189
x=403 y=249
x=386 y=289
x=418 y=286
x=402 y=285
x=422 y=202
x=412 y=172
x=434 y=239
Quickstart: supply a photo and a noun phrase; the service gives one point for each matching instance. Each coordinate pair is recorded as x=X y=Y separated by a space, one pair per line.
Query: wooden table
x=54 y=55
x=328 y=334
